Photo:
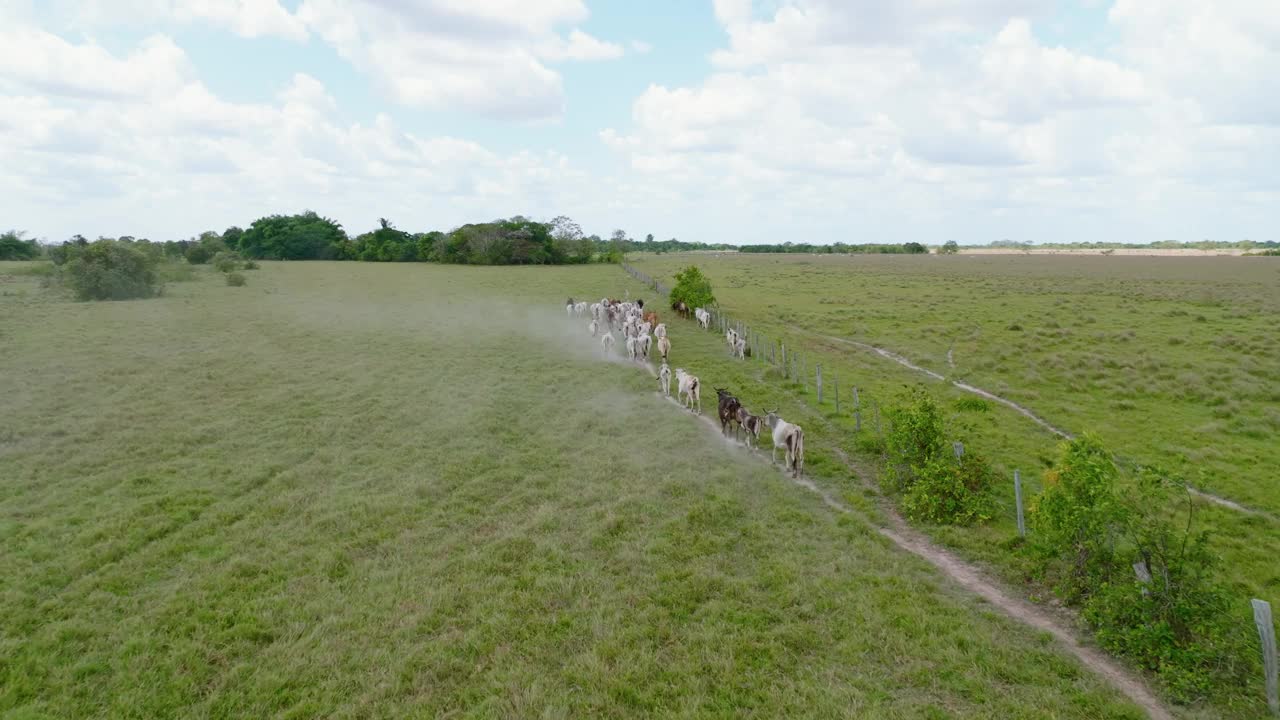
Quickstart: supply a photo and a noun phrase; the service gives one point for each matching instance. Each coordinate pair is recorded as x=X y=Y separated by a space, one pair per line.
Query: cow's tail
x=799 y=464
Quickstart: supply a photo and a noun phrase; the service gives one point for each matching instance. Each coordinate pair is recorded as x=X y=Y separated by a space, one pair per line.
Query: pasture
x=1170 y=360
x=353 y=490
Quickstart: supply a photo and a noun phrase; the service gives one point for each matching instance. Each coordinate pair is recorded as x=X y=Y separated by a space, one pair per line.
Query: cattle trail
x=962 y=573
x=1025 y=412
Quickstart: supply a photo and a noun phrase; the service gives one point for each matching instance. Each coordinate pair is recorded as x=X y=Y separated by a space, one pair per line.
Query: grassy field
x=1170 y=360
x=358 y=490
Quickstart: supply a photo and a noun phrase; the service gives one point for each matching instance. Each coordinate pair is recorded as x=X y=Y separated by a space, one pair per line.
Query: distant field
x=364 y=490
x=1170 y=360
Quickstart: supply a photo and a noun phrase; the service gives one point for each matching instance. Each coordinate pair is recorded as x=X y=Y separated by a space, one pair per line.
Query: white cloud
x=247 y=18
x=482 y=57
x=157 y=150
x=920 y=115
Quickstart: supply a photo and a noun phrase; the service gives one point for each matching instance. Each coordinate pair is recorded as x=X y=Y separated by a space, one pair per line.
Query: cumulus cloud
x=926 y=108
x=484 y=57
x=139 y=145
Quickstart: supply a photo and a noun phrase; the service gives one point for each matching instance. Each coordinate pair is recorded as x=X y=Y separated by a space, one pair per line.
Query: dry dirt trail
x=1026 y=412
x=969 y=577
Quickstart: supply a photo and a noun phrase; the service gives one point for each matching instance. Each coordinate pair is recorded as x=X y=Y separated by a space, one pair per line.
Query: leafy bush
x=250 y=265
x=1076 y=519
x=950 y=247
x=693 y=289
x=111 y=270
x=949 y=491
x=226 y=261
x=199 y=254
x=920 y=464
x=1088 y=536
x=236 y=279
x=14 y=247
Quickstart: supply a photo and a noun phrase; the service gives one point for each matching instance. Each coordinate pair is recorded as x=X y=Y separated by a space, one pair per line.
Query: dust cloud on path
x=967 y=576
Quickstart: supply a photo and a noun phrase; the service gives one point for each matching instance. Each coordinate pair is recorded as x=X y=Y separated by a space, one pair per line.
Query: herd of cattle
x=634 y=324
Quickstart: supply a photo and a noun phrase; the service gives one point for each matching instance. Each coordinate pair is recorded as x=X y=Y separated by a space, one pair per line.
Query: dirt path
x=963 y=386
x=971 y=578
x=1025 y=412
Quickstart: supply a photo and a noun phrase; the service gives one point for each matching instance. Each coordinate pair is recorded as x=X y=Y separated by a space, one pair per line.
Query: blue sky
x=732 y=120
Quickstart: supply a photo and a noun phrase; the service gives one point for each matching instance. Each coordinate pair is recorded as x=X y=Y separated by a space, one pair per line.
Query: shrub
x=1087 y=537
x=950 y=247
x=199 y=254
x=236 y=279
x=226 y=262
x=14 y=247
x=111 y=270
x=1179 y=624
x=693 y=289
x=919 y=463
x=972 y=404
x=950 y=491
x=1076 y=519
x=250 y=265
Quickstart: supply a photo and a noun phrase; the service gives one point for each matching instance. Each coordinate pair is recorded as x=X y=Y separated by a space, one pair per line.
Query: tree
x=14 y=247
x=950 y=247
x=111 y=270
x=307 y=236
x=693 y=289
x=648 y=239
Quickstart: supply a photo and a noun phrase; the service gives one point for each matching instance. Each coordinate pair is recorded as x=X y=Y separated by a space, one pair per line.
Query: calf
x=664 y=378
x=728 y=410
x=787 y=436
x=752 y=424
x=690 y=389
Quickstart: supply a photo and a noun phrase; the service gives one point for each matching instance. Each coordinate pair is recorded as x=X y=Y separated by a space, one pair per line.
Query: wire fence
x=794 y=366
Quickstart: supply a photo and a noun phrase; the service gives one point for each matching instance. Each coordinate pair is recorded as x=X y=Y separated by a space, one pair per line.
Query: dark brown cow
x=728 y=409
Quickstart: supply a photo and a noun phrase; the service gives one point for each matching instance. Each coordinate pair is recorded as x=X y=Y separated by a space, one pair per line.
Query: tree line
x=910 y=248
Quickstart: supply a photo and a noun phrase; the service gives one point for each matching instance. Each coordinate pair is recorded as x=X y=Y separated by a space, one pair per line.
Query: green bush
x=950 y=247
x=199 y=254
x=250 y=265
x=226 y=261
x=14 y=247
x=949 y=491
x=236 y=279
x=1076 y=520
x=920 y=465
x=111 y=270
x=693 y=289
x=1087 y=535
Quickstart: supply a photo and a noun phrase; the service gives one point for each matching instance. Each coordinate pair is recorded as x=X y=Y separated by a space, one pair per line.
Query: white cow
x=664 y=347
x=594 y=328
x=580 y=309
x=660 y=331
x=789 y=437
x=606 y=342
x=664 y=378
x=689 y=389
x=704 y=318
x=632 y=348
x=740 y=348
x=731 y=337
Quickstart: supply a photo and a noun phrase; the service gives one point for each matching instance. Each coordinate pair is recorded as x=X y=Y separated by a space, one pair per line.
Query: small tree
x=950 y=247
x=14 y=247
x=693 y=289
x=111 y=270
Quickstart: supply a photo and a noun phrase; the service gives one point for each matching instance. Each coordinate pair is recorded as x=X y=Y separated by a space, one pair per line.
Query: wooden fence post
x=958 y=449
x=857 y=410
x=786 y=369
x=1267 y=635
x=1017 y=500
x=818 y=380
x=835 y=391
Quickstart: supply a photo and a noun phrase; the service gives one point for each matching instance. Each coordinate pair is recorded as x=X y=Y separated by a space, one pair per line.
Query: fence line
x=788 y=363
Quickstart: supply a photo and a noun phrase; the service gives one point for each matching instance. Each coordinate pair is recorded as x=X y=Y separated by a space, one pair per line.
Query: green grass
x=1151 y=398
x=354 y=490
